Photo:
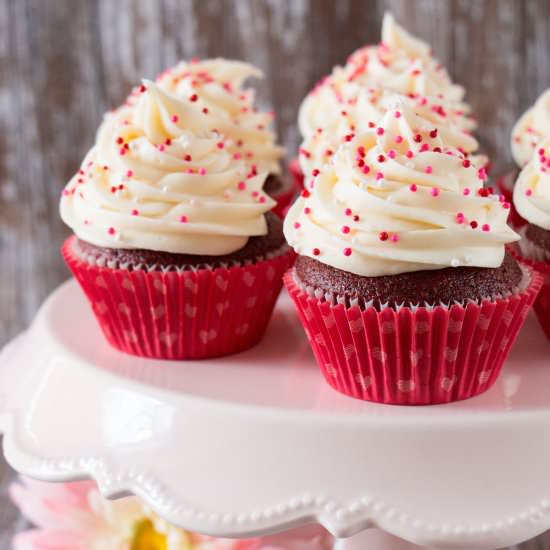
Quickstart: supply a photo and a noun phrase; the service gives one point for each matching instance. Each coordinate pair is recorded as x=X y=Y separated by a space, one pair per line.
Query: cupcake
x=532 y=201
x=353 y=98
x=174 y=243
x=529 y=130
x=215 y=91
x=402 y=281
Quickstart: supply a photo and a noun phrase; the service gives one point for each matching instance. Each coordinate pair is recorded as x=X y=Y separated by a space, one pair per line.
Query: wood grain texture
x=64 y=62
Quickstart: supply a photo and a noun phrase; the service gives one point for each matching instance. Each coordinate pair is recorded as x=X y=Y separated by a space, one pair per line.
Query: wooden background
x=64 y=62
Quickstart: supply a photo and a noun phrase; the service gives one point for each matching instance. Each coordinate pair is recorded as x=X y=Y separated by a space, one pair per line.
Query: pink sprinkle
x=130 y=173
x=174 y=118
x=307 y=210
x=380 y=131
x=135 y=212
x=183 y=218
x=466 y=191
x=202 y=171
x=347 y=251
x=392 y=154
x=429 y=170
x=409 y=154
x=506 y=205
x=394 y=238
x=365 y=169
x=111 y=231
x=397 y=114
x=255 y=193
x=379 y=176
x=221 y=145
x=413 y=187
x=297 y=225
x=460 y=218
x=161 y=147
x=398 y=139
x=346 y=229
x=241 y=186
x=529 y=192
x=486 y=227
x=348 y=212
x=435 y=192
x=237 y=156
x=261 y=200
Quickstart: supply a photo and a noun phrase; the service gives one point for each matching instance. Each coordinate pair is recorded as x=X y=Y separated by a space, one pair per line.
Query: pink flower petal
x=49 y=540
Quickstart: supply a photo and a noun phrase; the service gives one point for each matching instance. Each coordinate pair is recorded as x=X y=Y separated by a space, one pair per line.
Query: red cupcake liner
x=181 y=314
x=283 y=202
x=296 y=173
x=419 y=356
x=542 y=303
x=505 y=186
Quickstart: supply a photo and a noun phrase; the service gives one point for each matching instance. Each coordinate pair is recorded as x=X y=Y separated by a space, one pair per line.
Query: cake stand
x=257 y=442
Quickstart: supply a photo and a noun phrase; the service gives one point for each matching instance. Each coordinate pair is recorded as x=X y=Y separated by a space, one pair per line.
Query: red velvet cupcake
x=174 y=243
x=402 y=281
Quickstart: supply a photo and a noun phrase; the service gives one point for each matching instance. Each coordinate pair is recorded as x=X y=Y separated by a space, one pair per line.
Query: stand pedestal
x=257 y=442
x=374 y=539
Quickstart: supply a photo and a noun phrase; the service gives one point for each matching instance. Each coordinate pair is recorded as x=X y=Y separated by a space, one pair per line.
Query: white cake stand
x=255 y=443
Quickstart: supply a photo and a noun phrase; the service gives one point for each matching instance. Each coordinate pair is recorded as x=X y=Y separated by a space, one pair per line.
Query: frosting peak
x=532 y=127
x=355 y=94
x=398 y=199
x=213 y=90
x=532 y=190
x=157 y=179
x=396 y=37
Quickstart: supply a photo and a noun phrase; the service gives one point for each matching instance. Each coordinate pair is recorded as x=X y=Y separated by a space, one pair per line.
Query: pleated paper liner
x=283 y=201
x=413 y=356
x=505 y=185
x=192 y=314
x=296 y=173
x=539 y=260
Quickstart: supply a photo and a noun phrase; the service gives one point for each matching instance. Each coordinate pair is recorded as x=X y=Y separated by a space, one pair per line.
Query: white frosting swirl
x=219 y=99
x=399 y=199
x=157 y=180
x=532 y=189
x=400 y=63
x=532 y=127
x=357 y=112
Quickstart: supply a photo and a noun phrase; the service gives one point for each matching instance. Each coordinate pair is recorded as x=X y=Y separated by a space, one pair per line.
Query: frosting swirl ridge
x=355 y=94
x=157 y=180
x=213 y=90
x=400 y=199
x=359 y=112
x=532 y=127
x=532 y=189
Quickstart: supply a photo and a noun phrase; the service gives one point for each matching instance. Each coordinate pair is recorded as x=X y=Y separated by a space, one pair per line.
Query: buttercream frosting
x=353 y=95
x=400 y=199
x=530 y=129
x=214 y=90
x=157 y=178
x=532 y=190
